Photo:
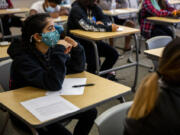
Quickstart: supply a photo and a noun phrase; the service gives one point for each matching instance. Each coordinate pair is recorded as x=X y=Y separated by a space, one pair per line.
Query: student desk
x=66 y=6
x=103 y=91
x=174 y=2
x=154 y=54
x=122 y=11
x=61 y=19
x=164 y=20
x=3 y=51
x=115 y=12
x=96 y=36
x=10 y=12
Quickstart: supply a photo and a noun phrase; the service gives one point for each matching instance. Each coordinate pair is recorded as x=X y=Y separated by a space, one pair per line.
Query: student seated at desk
x=48 y=6
x=42 y=61
x=156 y=107
x=160 y=8
x=86 y=15
x=9 y=20
x=53 y=8
x=121 y=19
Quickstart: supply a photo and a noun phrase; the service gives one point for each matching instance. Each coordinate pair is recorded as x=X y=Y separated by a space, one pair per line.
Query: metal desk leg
x=97 y=57
x=2 y=30
x=130 y=59
x=173 y=30
x=137 y=62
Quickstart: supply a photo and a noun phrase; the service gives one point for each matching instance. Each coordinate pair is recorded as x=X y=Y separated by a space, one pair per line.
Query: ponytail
x=145 y=97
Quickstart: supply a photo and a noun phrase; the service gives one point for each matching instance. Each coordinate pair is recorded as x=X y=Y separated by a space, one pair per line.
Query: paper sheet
x=49 y=107
x=67 y=88
x=57 y=19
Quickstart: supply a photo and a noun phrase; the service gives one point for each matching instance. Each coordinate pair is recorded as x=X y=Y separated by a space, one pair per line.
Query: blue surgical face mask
x=50 y=9
x=50 y=38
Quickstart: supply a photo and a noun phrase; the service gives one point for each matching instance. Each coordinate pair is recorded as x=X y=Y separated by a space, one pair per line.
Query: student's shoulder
x=76 y=7
x=37 y=4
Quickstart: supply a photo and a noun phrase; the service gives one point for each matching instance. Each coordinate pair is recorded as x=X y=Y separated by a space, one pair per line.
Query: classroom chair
x=157 y=42
x=111 y=122
x=5 y=73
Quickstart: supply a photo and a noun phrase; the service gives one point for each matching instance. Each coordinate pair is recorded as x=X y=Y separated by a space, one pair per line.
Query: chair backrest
x=5 y=73
x=111 y=122
x=158 y=42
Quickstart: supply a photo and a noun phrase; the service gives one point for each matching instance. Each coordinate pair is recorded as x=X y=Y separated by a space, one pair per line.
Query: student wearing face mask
x=53 y=8
x=48 y=6
x=86 y=15
x=42 y=60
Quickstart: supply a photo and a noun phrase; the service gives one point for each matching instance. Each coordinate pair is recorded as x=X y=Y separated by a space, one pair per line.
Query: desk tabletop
x=102 y=91
x=154 y=52
x=174 y=1
x=66 y=6
x=164 y=19
x=13 y=11
x=57 y=20
x=61 y=19
x=3 y=51
x=104 y=35
x=115 y=12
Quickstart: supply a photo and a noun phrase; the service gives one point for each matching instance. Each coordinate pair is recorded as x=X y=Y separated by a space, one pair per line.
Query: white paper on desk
x=49 y=107
x=58 y=19
x=13 y=9
x=67 y=88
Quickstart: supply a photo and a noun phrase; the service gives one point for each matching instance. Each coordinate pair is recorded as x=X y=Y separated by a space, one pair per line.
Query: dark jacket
x=164 y=118
x=80 y=18
x=31 y=68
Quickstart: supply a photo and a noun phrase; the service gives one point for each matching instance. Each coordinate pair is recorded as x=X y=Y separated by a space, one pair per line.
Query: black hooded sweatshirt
x=32 y=68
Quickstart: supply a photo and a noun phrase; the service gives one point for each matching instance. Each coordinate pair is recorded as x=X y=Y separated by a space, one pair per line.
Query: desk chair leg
x=2 y=30
x=122 y=99
x=137 y=62
x=130 y=59
x=174 y=31
x=97 y=57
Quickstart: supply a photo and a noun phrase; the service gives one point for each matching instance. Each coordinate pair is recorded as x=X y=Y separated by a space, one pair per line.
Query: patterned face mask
x=50 y=38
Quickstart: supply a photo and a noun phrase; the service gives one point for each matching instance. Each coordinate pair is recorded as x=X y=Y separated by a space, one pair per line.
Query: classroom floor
x=124 y=76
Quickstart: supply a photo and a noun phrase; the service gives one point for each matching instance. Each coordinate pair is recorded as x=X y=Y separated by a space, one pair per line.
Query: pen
x=82 y=85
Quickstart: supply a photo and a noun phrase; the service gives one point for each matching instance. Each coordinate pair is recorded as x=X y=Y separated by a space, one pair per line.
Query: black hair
x=33 y=24
x=86 y=3
x=162 y=4
x=55 y=1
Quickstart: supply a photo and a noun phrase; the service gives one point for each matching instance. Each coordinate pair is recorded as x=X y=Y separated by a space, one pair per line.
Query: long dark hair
x=162 y=4
x=148 y=92
x=33 y=24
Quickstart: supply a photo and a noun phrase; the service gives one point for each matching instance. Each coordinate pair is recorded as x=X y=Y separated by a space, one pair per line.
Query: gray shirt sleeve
x=105 y=4
x=122 y=4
